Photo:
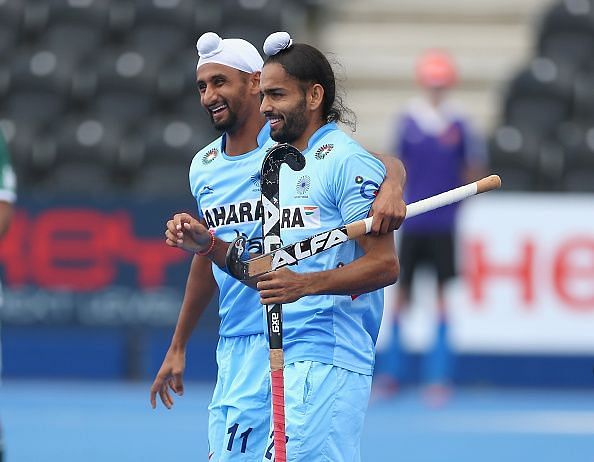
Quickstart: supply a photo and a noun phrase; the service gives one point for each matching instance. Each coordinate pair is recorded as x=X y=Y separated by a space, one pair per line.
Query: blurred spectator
x=439 y=152
x=7 y=198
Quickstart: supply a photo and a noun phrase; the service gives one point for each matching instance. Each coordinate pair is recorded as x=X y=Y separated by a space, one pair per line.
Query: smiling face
x=222 y=94
x=288 y=106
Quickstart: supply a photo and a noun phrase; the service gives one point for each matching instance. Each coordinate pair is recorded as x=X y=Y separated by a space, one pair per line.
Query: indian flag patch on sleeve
x=311 y=211
x=311 y=216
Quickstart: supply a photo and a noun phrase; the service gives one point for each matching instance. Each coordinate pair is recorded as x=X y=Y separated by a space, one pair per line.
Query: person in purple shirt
x=440 y=152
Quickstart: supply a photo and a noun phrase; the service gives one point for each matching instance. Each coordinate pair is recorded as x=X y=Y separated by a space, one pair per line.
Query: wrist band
x=204 y=253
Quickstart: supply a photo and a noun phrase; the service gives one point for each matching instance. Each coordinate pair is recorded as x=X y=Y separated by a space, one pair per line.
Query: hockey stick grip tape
x=278 y=404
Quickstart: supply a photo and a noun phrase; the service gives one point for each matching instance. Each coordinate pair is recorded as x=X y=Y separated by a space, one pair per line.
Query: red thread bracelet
x=204 y=253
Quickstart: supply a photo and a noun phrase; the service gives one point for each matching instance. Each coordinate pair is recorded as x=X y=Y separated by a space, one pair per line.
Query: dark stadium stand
x=11 y=23
x=75 y=28
x=133 y=61
x=579 y=159
x=566 y=31
x=121 y=83
x=541 y=142
x=176 y=82
x=125 y=69
x=538 y=98
x=583 y=94
x=163 y=26
x=73 y=150
x=514 y=155
x=36 y=91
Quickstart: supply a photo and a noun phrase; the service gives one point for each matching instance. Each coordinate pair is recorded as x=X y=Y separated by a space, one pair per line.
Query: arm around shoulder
x=388 y=209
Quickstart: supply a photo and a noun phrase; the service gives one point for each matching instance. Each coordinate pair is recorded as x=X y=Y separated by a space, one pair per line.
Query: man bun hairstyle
x=309 y=66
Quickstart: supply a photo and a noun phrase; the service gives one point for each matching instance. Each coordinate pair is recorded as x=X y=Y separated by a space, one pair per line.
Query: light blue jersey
x=337 y=186
x=227 y=190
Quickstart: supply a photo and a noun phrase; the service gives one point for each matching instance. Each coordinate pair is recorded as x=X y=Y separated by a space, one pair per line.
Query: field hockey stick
x=269 y=188
x=292 y=253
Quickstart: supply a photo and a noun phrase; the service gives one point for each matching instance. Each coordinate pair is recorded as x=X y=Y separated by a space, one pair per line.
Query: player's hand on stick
x=388 y=209
x=170 y=376
x=282 y=286
x=187 y=233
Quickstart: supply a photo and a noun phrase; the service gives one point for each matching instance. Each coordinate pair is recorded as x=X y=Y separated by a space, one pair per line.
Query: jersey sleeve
x=356 y=182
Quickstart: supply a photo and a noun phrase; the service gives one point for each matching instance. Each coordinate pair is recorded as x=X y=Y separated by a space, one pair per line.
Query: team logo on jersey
x=369 y=189
x=303 y=185
x=255 y=179
x=206 y=189
x=210 y=156
x=323 y=151
x=358 y=179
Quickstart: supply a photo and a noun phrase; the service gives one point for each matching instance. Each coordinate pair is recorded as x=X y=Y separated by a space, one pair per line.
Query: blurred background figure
x=7 y=199
x=440 y=152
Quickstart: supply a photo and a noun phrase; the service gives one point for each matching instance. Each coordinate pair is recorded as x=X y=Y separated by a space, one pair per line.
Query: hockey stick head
x=279 y=154
x=236 y=258
x=269 y=187
x=237 y=267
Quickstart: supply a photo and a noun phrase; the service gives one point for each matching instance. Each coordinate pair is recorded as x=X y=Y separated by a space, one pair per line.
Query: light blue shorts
x=239 y=413
x=325 y=409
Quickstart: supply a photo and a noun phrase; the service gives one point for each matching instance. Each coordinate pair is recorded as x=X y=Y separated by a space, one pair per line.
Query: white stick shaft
x=446 y=198
x=433 y=202
x=440 y=200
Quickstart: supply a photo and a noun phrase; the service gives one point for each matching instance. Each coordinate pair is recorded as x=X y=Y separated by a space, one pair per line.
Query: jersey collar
x=319 y=134
x=263 y=137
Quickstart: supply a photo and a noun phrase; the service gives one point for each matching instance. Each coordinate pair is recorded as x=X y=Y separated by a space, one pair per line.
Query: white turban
x=236 y=53
x=276 y=42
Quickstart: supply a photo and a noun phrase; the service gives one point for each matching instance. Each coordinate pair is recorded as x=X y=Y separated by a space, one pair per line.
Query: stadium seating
x=538 y=98
x=583 y=94
x=163 y=148
x=176 y=80
x=578 y=146
x=134 y=61
x=551 y=167
x=11 y=22
x=514 y=155
x=551 y=101
x=124 y=69
x=121 y=82
x=566 y=31
x=78 y=154
x=36 y=91
x=75 y=28
x=163 y=26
